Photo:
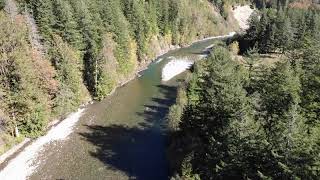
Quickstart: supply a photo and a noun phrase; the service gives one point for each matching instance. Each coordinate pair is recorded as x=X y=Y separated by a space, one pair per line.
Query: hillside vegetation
x=249 y=120
x=58 y=54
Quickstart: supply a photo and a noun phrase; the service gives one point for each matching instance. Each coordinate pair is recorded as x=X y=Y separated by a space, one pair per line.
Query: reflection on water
x=123 y=136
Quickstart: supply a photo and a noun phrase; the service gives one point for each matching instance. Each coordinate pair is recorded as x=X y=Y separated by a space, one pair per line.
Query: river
x=123 y=136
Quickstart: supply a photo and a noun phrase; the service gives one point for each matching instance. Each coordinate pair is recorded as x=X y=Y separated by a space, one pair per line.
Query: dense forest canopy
x=250 y=119
x=58 y=54
x=232 y=119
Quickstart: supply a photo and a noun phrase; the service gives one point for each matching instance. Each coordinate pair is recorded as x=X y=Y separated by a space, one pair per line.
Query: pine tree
x=66 y=24
x=135 y=14
x=71 y=91
x=163 y=16
x=252 y=33
x=222 y=101
x=310 y=81
x=2 y=4
x=279 y=112
x=91 y=42
x=287 y=36
x=151 y=16
x=107 y=71
x=43 y=13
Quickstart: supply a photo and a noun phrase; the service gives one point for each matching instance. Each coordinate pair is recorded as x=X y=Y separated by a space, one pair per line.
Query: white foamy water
x=159 y=60
x=178 y=66
x=25 y=163
x=231 y=34
x=175 y=67
x=202 y=56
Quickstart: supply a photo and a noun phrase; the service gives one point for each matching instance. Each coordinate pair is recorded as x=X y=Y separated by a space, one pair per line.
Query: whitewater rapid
x=177 y=66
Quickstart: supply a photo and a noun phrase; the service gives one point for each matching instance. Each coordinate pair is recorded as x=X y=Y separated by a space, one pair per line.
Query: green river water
x=122 y=137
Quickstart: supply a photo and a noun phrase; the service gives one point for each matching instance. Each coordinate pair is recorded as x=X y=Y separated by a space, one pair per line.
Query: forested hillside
x=300 y=4
x=58 y=54
x=249 y=119
x=113 y=37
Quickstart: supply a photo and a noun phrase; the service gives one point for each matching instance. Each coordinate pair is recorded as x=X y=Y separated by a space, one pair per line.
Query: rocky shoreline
x=20 y=147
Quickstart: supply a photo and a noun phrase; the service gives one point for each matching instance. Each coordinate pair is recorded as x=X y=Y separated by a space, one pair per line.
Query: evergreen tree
x=285 y=37
x=25 y=98
x=266 y=126
x=151 y=15
x=66 y=24
x=163 y=16
x=91 y=41
x=107 y=71
x=71 y=91
x=43 y=13
x=284 y=124
x=222 y=101
x=253 y=32
x=2 y=4
x=134 y=11
x=310 y=81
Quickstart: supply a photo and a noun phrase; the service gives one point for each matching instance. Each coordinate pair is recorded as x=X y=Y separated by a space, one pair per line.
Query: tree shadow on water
x=155 y=112
x=138 y=152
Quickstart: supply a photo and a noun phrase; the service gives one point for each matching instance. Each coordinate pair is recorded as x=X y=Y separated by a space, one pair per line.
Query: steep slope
x=55 y=52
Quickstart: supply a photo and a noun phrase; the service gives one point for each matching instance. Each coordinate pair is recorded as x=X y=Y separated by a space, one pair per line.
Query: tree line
x=282 y=30
x=247 y=120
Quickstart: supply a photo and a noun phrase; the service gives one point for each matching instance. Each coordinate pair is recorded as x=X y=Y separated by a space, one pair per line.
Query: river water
x=122 y=137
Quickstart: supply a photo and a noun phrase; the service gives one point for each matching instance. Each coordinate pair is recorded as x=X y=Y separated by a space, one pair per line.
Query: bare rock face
x=242 y=15
x=34 y=37
x=36 y=41
x=11 y=8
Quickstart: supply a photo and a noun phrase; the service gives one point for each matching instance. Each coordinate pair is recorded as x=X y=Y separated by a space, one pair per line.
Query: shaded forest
x=249 y=119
